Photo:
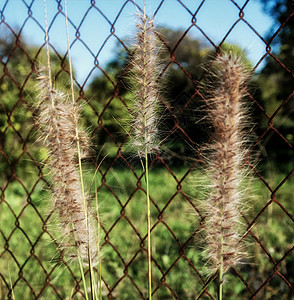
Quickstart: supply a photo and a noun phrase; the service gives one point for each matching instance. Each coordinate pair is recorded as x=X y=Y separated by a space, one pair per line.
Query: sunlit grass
x=31 y=253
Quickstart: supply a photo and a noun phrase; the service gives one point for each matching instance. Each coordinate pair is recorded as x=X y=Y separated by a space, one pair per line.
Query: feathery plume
x=145 y=71
x=57 y=122
x=226 y=166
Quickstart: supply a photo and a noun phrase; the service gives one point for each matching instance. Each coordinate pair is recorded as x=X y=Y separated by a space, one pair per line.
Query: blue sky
x=215 y=17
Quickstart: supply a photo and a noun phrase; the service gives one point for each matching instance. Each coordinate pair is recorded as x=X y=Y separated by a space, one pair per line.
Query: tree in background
x=111 y=90
x=189 y=57
x=19 y=62
x=276 y=83
x=106 y=113
x=183 y=81
x=15 y=117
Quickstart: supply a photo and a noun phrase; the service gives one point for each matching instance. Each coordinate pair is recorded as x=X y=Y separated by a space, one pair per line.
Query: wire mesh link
x=120 y=263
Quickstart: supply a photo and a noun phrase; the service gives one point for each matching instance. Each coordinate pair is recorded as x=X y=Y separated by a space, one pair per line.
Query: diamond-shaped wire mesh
x=31 y=266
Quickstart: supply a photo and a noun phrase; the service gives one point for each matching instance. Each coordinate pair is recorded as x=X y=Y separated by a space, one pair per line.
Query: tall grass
x=226 y=167
x=57 y=122
x=182 y=277
x=145 y=69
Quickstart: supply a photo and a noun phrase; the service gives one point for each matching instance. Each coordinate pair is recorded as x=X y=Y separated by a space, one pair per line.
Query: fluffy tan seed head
x=145 y=70
x=57 y=122
x=226 y=164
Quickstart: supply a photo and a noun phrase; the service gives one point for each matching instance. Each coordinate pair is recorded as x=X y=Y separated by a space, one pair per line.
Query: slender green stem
x=98 y=242
x=220 y=283
x=145 y=95
x=83 y=276
x=221 y=268
x=98 y=233
x=79 y=156
x=148 y=224
x=100 y=280
x=80 y=265
x=86 y=217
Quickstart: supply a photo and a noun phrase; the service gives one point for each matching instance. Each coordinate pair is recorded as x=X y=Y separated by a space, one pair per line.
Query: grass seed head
x=226 y=165
x=57 y=121
x=145 y=71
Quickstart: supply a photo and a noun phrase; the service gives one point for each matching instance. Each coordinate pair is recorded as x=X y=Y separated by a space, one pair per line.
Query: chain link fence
x=32 y=267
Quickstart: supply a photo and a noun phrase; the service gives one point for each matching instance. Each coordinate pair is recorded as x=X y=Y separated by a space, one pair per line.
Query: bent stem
x=211 y=279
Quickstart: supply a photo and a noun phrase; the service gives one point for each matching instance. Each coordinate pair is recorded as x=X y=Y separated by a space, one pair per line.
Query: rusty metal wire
x=119 y=265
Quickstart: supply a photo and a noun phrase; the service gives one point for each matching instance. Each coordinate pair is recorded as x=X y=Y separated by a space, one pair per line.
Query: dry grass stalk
x=226 y=162
x=57 y=123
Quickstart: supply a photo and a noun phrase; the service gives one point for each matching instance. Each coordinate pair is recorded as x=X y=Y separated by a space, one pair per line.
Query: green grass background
x=30 y=258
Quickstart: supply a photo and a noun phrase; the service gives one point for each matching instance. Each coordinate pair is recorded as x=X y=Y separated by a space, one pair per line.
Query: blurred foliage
x=276 y=88
x=19 y=102
x=110 y=94
x=107 y=110
x=15 y=116
x=274 y=230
